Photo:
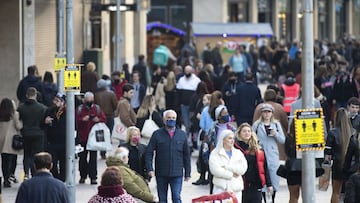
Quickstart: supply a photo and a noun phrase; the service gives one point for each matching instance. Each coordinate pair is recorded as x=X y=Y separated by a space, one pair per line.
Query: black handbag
x=17 y=142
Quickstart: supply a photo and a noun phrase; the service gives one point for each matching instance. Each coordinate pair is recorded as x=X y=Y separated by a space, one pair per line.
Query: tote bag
x=99 y=138
x=149 y=127
x=119 y=130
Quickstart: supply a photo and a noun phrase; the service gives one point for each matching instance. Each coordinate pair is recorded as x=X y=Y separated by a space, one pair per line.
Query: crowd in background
x=241 y=134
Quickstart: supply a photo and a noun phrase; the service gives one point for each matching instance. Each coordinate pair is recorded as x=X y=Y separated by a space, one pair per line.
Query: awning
x=164 y=27
x=232 y=29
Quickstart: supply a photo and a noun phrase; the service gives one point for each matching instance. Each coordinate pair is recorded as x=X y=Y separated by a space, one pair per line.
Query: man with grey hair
x=87 y=115
x=172 y=158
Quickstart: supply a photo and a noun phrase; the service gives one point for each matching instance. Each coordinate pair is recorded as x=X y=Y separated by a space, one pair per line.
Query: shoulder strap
x=257 y=127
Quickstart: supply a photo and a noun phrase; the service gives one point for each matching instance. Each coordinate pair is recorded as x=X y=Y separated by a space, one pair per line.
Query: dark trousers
x=59 y=163
x=110 y=124
x=32 y=145
x=251 y=194
x=88 y=167
x=7 y=164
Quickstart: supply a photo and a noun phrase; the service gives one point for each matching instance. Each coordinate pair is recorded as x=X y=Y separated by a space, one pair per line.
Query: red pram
x=224 y=197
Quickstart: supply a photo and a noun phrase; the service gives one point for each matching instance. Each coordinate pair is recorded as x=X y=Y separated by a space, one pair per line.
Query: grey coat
x=270 y=146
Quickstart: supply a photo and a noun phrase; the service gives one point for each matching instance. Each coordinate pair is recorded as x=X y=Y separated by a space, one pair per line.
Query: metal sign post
x=308 y=157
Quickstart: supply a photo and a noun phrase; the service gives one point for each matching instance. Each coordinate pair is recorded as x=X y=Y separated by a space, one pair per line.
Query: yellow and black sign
x=72 y=77
x=309 y=129
x=59 y=63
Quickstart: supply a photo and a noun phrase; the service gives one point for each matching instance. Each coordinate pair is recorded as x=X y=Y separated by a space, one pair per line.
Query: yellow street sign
x=72 y=77
x=309 y=129
x=59 y=63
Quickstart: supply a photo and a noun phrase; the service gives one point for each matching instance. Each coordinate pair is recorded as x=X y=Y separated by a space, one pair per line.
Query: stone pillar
x=253 y=12
x=127 y=31
x=332 y=21
x=106 y=42
x=349 y=15
x=28 y=19
x=140 y=19
x=316 y=19
x=295 y=21
x=275 y=19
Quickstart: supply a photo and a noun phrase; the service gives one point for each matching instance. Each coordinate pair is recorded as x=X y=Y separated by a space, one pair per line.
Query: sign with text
x=59 y=63
x=309 y=129
x=72 y=77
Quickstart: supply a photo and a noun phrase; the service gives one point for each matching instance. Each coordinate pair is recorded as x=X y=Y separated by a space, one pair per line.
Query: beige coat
x=160 y=96
x=7 y=130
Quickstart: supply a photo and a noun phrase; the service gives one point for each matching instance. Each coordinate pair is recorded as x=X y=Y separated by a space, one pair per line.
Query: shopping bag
x=324 y=179
x=149 y=127
x=99 y=138
x=224 y=197
x=119 y=130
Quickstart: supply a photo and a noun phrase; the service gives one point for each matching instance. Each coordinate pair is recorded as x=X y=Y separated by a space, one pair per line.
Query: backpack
x=160 y=56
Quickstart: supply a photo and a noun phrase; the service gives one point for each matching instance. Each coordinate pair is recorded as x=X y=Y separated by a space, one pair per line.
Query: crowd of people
x=198 y=103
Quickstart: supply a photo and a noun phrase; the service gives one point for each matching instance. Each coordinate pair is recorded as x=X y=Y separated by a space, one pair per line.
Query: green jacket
x=134 y=184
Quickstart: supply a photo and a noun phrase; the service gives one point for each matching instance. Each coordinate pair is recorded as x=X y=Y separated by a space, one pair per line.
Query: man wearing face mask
x=117 y=84
x=87 y=115
x=186 y=88
x=55 y=130
x=172 y=158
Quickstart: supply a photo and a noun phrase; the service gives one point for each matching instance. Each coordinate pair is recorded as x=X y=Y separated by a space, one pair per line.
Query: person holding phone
x=270 y=134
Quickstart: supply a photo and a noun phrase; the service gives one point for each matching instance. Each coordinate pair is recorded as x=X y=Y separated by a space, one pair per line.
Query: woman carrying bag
x=10 y=125
x=342 y=147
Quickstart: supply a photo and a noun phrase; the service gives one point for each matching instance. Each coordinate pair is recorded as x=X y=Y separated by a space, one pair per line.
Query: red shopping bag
x=225 y=197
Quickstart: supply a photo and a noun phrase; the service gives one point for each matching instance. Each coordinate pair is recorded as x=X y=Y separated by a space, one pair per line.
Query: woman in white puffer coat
x=227 y=165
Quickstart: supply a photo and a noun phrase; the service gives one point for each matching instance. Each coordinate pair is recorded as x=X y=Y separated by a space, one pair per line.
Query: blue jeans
x=175 y=186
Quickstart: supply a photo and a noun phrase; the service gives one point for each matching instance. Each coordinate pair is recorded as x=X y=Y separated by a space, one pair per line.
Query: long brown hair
x=342 y=122
x=215 y=101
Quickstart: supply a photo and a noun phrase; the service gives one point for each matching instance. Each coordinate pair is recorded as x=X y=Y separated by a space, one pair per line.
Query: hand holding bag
x=17 y=142
x=149 y=127
x=99 y=138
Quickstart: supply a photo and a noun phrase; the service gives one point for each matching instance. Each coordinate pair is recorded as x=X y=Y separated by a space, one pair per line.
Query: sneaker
x=13 y=179
x=93 y=182
x=26 y=177
x=82 y=180
x=7 y=184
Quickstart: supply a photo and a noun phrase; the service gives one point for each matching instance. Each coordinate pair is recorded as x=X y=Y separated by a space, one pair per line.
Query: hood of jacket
x=289 y=81
x=114 y=161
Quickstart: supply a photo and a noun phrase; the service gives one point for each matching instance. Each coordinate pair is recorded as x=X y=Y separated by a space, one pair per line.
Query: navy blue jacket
x=172 y=154
x=43 y=188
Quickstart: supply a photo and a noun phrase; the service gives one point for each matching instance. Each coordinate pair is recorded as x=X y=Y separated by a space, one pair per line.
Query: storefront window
x=340 y=17
x=323 y=19
x=356 y=16
x=157 y=13
x=238 y=11
x=177 y=19
x=284 y=18
x=265 y=11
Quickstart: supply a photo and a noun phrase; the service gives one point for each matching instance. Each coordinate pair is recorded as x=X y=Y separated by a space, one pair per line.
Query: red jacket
x=84 y=127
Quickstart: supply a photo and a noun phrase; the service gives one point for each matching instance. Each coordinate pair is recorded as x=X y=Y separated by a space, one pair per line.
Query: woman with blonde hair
x=146 y=111
x=270 y=134
x=136 y=150
x=111 y=188
x=342 y=147
x=257 y=174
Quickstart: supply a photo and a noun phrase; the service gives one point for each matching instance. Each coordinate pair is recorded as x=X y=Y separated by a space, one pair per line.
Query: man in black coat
x=43 y=187
x=172 y=158
x=31 y=80
x=248 y=96
x=32 y=115
x=141 y=68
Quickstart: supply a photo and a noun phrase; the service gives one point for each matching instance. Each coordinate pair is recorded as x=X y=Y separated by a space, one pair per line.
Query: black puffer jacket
x=333 y=148
x=352 y=192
